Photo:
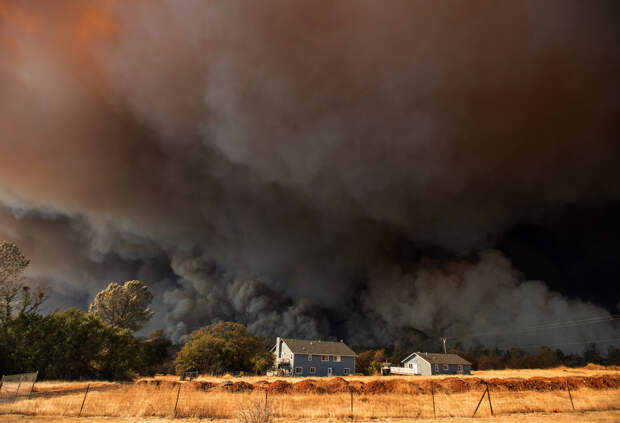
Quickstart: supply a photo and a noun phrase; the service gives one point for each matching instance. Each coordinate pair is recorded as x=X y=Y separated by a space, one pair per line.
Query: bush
x=223 y=347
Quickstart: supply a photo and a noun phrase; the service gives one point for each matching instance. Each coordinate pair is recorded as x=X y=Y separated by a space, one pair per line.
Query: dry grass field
x=589 y=417
x=530 y=395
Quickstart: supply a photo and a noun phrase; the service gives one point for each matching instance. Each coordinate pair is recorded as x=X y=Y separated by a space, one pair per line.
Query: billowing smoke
x=263 y=161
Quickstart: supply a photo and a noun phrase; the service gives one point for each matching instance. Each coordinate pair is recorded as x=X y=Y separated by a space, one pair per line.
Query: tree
x=363 y=360
x=123 y=306
x=591 y=355
x=262 y=362
x=14 y=295
x=547 y=357
x=155 y=351
x=70 y=344
x=613 y=356
x=222 y=347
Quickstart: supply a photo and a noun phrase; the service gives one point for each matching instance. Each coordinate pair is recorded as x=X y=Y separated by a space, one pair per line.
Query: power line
x=593 y=341
x=545 y=326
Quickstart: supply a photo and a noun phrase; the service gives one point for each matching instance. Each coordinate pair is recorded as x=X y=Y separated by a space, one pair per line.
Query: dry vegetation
x=374 y=398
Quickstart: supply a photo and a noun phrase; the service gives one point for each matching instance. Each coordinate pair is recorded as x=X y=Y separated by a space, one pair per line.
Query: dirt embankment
x=391 y=385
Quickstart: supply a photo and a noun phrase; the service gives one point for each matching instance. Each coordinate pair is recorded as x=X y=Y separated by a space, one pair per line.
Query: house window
x=324 y=358
x=312 y=370
x=299 y=370
x=309 y=357
x=460 y=368
x=436 y=368
x=337 y=358
x=345 y=371
x=446 y=367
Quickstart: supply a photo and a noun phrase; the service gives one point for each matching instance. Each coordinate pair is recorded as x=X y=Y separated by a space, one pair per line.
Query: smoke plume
x=265 y=162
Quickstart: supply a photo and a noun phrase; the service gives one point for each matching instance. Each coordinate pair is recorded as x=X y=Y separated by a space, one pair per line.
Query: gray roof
x=303 y=346
x=434 y=358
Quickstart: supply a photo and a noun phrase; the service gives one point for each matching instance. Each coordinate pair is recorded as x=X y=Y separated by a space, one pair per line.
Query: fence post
x=351 y=389
x=433 y=395
x=84 y=400
x=266 y=398
x=177 y=401
x=489 y=398
x=479 y=402
x=570 y=395
x=32 y=386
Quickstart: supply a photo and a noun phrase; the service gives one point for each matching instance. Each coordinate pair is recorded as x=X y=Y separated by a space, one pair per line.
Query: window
x=460 y=368
x=324 y=358
x=446 y=367
x=309 y=357
x=436 y=368
x=312 y=370
x=337 y=358
x=299 y=370
x=345 y=371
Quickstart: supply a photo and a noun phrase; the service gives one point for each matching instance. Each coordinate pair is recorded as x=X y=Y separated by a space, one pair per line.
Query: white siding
x=423 y=366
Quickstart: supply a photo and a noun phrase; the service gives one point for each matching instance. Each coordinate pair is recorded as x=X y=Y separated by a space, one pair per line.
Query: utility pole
x=445 y=350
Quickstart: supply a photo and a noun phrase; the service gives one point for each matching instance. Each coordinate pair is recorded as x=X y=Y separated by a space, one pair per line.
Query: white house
x=427 y=364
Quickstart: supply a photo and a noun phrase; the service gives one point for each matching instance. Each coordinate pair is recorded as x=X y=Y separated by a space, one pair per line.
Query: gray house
x=427 y=364
x=298 y=357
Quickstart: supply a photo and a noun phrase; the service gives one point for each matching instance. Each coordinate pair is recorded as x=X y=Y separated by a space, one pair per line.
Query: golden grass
x=144 y=401
x=63 y=400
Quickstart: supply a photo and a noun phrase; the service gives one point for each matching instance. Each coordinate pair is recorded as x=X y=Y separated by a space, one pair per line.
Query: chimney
x=279 y=347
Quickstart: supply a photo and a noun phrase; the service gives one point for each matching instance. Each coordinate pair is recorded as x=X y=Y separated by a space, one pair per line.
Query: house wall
x=424 y=367
x=301 y=360
x=283 y=354
x=453 y=369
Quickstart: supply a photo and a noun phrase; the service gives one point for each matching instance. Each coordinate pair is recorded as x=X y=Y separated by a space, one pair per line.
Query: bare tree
x=124 y=306
x=14 y=295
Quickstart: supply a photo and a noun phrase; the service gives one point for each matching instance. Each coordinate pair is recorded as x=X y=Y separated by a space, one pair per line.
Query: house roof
x=303 y=346
x=434 y=358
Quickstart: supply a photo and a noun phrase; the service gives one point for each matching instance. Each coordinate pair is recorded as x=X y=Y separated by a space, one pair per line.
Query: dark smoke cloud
x=260 y=161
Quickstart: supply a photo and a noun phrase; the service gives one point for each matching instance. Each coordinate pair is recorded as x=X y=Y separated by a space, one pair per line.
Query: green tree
x=222 y=347
x=70 y=344
x=370 y=362
x=375 y=367
x=262 y=362
x=15 y=297
x=363 y=360
x=124 y=306
x=154 y=352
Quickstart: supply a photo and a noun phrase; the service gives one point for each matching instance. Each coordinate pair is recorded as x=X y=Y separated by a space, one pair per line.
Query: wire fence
x=182 y=400
x=14 y=387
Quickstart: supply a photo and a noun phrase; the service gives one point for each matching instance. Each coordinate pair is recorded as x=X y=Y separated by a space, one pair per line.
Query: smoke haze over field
x=314 y=168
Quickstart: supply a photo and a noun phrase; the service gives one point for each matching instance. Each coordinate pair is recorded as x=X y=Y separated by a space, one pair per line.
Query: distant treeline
x=71 y=344
x=369 y=361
